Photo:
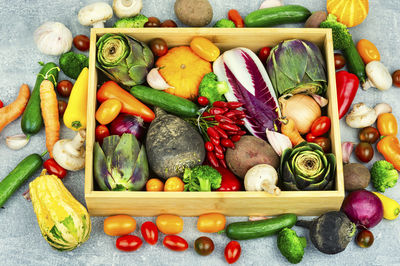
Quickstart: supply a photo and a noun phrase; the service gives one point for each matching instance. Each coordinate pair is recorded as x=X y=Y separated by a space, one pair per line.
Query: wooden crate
x=104 y=203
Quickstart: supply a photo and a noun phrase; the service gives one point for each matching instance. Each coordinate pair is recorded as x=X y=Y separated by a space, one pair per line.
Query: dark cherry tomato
x=365 y=238
x=396 y=78
x=175 y=243
x=128 y=243
x=324 y=142
x=101 y=132
x=149 y=232
x=204 y=246
x=364 y=152
x=232 y=252
x=340 y=61
x=1 y=104
x=264 y=53
x=54 y=168
x=152 y=22
x=159 y=47
x=310 y=137
x=203 y=101
x=62 y=105
x=64 y=88
x=82 y=42
x=320 y=126
x=169 y=23
x=369 y=134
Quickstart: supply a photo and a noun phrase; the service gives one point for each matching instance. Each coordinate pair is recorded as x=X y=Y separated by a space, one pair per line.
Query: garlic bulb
x=156 y=81
x=53 y=38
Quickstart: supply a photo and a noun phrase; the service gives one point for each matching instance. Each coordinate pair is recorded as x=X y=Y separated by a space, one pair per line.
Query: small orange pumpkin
x=183 y=70
x=349 y=12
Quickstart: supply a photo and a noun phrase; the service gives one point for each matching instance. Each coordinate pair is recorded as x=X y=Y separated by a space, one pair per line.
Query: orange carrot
x=49 y=106
x=288 y=128
x=12 y=111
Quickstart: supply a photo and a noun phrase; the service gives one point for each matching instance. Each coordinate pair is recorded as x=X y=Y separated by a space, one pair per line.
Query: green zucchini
x=168 y=102
x=268 y=17
x=25 y=169
x=32 y=120
x=354 y=63
x=256 y=229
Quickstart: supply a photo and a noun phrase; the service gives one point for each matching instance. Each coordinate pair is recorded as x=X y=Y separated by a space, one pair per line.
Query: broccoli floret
x=201 y=178
x=341 y=37
x=224 y=23
x=213 y=89
x=72 y=64
x=291 y=246
x=383 y=175
x=137 y=21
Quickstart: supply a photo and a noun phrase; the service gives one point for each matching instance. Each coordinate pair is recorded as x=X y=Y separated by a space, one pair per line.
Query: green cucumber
x=166 y=101
x=354 y=63
x=32 y=120
x=256 y=229
x=268 y=17
x=25 y=169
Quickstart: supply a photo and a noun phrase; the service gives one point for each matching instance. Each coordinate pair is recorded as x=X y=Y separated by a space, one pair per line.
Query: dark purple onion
x=125 y=123
x=363 y=208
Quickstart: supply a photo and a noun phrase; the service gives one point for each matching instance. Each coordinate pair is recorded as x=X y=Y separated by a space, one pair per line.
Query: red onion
x=363 y=208
x=125 y=123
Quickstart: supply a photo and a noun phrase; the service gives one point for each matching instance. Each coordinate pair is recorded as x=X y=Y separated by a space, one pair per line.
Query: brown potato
x=195 y=13
x=356 y=176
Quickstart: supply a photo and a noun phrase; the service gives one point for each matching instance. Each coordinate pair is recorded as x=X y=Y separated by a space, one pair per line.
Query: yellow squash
x=75 y=114
x=63 y=221
x=349 y=12
x=391 y=208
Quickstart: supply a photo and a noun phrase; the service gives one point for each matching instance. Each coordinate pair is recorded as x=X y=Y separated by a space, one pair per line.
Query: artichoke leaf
x=138 y=73
x=109 y=145
x=124 y=157
x=100 y=169
x=141 y=173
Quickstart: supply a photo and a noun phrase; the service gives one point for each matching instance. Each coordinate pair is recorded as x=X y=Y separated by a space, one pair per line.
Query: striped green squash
x=63 y=221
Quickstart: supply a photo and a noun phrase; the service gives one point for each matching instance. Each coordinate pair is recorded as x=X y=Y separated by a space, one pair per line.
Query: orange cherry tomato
x=387 y=124
x=211 y=223
x=108 y=111
x=205 y=48
x=368 y=51
x=119 y=225
x=154 y=184
x=169 y=224
x=174 y=184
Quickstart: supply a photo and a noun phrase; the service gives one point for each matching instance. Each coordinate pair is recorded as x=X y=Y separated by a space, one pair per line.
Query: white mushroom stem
x=361 y=116
x=262 y=177
x=270 y=188
x=70 y=154
x=75 y=146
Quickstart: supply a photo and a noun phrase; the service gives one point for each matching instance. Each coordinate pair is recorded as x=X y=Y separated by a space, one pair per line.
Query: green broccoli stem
x=205 y=184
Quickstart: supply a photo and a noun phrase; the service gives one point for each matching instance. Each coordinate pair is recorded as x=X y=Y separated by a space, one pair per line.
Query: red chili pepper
x=220 y=104
x=223 y=119
x=229 y=181
x=214 y=141
x=234 y=105
x=218 y=149
x=346 y=86
x=222 y=162
x=203 y=101
x=175 y=243
x=230 y=133
x=230 y=127
x=209 y=146
x=1 y=104
x=205 y=114
x=235 y=138
x=230 y=114
x=234 y=15
x=213 y=133
x=241 y=132
x=238 y=112
x=221 y=132
x=212 y=159
x=239 y=122
x=54 y=168
x=149 y=232
x=220 y=156
x=217 y=111
x=240 y=116
x=228 y=143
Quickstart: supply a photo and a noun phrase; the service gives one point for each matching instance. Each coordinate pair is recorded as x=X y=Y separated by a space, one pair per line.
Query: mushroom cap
x=93 y=13
x=379 y=75
x=127 y=8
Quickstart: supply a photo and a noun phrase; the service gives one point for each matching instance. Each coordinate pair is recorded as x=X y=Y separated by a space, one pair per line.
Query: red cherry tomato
x=101 y=132
x=364 y=152
x=340 y=61
x=325 y=143
x=82 y=42
x=310 y=137
x=64 y=88
x=62 y=105
x=320 y=126
x=152 y=22
x=365 y=238
x=158 y=46
x=396 y=78
x=1 y=104
x=204 y=246
x=175 y=243
x=128 y=243
x=169 y=23
x=264 y=53
x=232 y=252
x=54 y=168
x=149 y=232
x=203 y=101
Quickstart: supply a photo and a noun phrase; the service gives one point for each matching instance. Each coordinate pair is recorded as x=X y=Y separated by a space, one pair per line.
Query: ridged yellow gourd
x=63 y=221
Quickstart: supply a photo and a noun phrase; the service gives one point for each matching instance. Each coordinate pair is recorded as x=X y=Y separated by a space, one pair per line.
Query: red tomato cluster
x=320 y=127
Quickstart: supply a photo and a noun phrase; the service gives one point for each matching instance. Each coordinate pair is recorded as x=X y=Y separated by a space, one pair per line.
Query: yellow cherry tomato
x=169 y=224
x=368 y=51
x=205 y=48
x=211 y=223
x=119 y=225
x=387 y=124
x=174 y=184
x=391 y=209
x=154 y=184
x=108 y=111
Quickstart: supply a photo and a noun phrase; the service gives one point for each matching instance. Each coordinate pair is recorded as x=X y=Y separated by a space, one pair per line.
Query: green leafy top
x=342 y=39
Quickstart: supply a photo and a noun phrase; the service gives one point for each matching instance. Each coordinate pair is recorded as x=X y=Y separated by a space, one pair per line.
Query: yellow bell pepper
x=75 y=114
x=391 y=208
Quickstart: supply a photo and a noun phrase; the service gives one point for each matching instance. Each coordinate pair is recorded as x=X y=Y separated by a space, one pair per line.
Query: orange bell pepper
x=387 y=124
x=389 y=147
x=130 y=105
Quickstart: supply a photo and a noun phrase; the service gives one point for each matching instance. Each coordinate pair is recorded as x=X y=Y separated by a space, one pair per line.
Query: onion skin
x=125 y=123
x=363 y=208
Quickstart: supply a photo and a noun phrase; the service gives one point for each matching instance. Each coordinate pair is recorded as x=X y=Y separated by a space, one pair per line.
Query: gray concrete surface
x=20 y=240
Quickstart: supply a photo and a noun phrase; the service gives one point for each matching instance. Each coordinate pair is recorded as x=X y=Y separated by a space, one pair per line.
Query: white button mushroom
x=262 y=177
x=378 y=76
x=127 y=8
x=53 y=38
x=95 y=14
x=70 y=154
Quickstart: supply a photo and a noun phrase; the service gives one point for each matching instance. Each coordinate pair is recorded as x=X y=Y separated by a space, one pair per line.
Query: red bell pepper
x=54 y=168
x=229 y=181
x=346 y=86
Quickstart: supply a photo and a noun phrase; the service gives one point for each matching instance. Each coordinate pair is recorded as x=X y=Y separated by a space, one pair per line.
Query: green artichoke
x=120 y=164
x=306 y=167
x=124 y=59
x=296 y=66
